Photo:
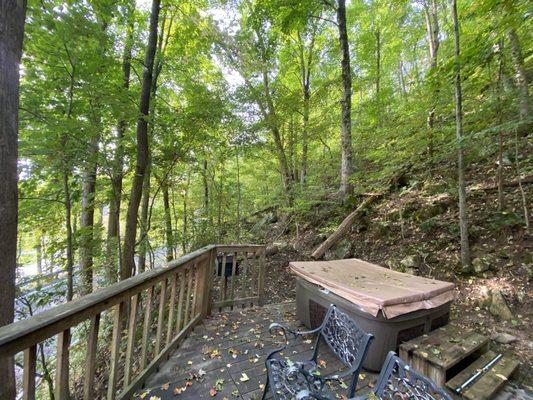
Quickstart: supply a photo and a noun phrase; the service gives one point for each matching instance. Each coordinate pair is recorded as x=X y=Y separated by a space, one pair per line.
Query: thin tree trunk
x=142 y=147
x=463 y=213
x=432 y=32
x=39 y=254
x=143 y=242
x=402 y=78
x=184 y=242
x=525 y=204
x=68 y=228
x=86 y=249
x=377 y=33
x=499 y=171
x=521 y=80
x=12 y=15
x=346 y=102
x=238 y=198
x=113 y=227
x=305 y=82
x=168 y=222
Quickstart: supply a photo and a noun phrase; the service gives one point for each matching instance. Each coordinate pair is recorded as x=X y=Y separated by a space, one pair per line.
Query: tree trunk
x=113 y=227
x=377 y=33
x=70 y=242
x=238 y=198
x=12 y=15
x=87 y=216
x=272 y=121
x=305 y=82
x=39 y=254
x=184 y=242
x=499 y=170
x=142 y=147
x=143 y=242
x=432 y=32
x=463 y=214
x=521 y=79
x=168 y=223
x=346 y=102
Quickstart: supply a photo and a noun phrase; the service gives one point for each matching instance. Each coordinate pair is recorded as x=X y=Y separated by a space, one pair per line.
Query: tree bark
x=168 y=222
x=86 y=249
x=143 y=242
x=142 y=147
x=499 y=170
x=12 y=15
x=113 y=227
x=39 y=254
x=305 y=83
x=346 y=102
x=432 y=32
x=70 y=241
x=463 y=212
x=521 y=80
x=184 y=242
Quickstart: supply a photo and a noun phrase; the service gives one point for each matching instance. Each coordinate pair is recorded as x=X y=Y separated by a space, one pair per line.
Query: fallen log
x=506 y=184
x=393 y=182
x=345 y=225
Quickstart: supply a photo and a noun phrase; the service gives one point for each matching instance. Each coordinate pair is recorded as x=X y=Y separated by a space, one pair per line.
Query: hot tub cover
x=374 y=288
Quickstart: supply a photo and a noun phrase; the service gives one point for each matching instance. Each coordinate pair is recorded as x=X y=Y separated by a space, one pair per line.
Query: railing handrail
x=25 y=333
x=186 y=289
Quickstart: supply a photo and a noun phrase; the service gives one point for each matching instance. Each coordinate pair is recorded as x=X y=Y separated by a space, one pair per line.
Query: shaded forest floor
x=415 y=230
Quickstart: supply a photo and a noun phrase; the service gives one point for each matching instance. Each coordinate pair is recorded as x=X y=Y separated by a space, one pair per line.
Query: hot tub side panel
x=312 y=303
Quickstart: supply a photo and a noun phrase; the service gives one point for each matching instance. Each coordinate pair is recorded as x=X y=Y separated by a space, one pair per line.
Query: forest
x=134 y=132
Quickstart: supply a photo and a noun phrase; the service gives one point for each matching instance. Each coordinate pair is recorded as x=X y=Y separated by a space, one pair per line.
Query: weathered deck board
x=228 y=345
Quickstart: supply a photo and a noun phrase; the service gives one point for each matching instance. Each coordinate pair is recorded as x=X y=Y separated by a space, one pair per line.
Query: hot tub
x=393 y=306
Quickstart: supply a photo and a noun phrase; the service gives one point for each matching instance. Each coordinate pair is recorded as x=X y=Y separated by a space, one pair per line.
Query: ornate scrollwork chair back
x=398 y=380
x=301 y=380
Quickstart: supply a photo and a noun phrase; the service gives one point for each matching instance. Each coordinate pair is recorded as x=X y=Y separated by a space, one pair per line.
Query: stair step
x=489 y=383
x=444 y=352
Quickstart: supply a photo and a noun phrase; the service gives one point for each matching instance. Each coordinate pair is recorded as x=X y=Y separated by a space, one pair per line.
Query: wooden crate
x=443 y=353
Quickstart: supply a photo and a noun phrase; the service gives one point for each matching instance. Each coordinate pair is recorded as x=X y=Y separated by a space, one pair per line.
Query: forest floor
x=415 y=230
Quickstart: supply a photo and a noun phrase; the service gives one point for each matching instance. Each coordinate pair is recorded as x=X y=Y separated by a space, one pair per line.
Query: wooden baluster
x=62 y=365
x=120 y=310
x=146 y=327
x=202 y=289
x=179 y=320
x=211 y=267
x=223 y=278
x=132 y=325
x=161 y=316
x=188 y=296
x=90 y=360
x=171 y=309
x=261 y=284
x=195 y=290
x=233 y=277
x=28 y=378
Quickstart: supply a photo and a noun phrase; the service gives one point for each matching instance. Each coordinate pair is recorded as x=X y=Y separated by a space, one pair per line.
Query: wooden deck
x=223 y=358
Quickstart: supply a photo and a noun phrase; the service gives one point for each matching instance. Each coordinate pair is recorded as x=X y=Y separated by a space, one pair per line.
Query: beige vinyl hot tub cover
x=374 y=288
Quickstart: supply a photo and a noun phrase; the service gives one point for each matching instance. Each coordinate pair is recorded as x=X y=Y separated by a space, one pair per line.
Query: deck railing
x=151 y=314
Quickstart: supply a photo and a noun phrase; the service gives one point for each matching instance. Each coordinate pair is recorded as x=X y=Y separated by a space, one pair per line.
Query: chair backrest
x=397 y=380
x=345 y=339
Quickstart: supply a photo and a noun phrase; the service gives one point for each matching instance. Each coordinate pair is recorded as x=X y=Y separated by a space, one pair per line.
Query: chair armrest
x=285 y=329
x=306 y=394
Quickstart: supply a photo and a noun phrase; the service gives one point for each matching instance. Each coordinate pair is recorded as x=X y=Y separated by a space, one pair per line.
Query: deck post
x=261 y=284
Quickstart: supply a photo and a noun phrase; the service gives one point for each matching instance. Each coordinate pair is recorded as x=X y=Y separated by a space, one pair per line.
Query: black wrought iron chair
x=300 y=380
x=397 y=380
